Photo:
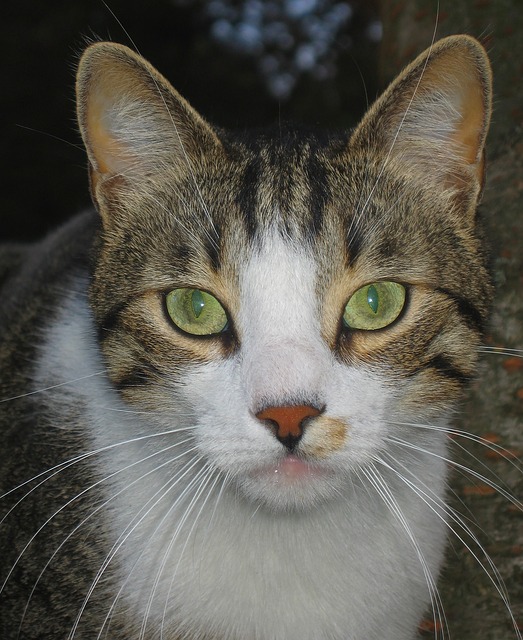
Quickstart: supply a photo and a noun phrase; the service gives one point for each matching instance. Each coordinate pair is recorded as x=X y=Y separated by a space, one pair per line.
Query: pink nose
x=288 y=422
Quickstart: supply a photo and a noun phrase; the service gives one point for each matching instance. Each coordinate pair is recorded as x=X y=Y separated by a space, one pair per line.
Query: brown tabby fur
x=348 y=198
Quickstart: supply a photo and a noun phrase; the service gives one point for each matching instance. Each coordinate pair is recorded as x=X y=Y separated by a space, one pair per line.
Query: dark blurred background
x=239 y=62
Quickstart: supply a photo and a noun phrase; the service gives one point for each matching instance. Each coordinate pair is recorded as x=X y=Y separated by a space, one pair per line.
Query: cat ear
x=432 y=121
x=132 y=121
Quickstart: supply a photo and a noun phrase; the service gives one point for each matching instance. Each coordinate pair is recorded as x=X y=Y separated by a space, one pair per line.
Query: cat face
x=340 y=277
x=251 y=439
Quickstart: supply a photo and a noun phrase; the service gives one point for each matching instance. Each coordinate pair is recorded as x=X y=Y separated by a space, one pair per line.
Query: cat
x=226 y=393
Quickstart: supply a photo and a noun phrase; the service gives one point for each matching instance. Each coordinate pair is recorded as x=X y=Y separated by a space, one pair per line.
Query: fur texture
x=153 y=501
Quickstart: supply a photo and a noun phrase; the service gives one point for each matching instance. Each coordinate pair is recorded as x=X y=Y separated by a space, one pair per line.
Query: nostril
x=288 y=422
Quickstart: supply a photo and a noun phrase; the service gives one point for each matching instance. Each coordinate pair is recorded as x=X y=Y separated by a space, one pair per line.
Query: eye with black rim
x=374 y=306
x=196 y=312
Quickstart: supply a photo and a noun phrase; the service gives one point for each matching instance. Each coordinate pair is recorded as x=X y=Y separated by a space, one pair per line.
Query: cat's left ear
x=133 y=123
x=432 y=121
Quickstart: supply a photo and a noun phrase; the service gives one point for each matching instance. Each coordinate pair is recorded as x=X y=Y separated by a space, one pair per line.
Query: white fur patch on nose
x=283 y=354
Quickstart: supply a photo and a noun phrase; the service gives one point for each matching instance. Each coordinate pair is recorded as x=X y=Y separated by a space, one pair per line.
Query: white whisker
x=204 y=473
x=492 y=446
x=501 y=351
x=65 y=506
x=201 y=488
x=102 y=506
x=53 y=386
x=436 y=504
x=132 y=525
x=62 y=466
x=379 y=484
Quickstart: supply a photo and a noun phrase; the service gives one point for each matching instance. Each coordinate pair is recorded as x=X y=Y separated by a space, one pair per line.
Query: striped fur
x=189 y=520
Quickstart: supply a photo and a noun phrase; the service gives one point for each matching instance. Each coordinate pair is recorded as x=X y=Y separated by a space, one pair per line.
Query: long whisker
x=502 y=351
x=137 y=519
x=499 y=489
x=62 y=508
x=160 y=205
x=62 y=466
x=201 y=489
x=53 y=386
x=204 y=472
x=379 y=484
x=437 y=506
x=103 y=505
x=180 y=141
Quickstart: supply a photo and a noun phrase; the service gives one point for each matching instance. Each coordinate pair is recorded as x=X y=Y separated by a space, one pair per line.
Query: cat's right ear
x=432 y=121
x=133 y=123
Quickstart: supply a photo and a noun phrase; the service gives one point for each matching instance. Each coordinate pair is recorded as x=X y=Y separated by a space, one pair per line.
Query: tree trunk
x=494 y=407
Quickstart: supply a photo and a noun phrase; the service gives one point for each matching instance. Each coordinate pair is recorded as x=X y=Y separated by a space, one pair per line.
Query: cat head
x=298 y=300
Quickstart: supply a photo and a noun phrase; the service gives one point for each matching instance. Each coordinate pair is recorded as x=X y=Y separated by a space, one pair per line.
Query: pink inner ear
x=469 y=131
x=111 y=155
x=459 y=80
x=434 y=117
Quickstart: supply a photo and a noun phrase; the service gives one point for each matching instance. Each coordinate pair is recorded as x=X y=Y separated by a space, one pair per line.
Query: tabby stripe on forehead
x=246 y=197
x=213 y=246
x=466 y=309
x=319 y=192
x=353 y=242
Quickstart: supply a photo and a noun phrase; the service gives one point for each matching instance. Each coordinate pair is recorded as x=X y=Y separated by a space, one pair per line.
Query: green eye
x=196 y=312
x=374 y=306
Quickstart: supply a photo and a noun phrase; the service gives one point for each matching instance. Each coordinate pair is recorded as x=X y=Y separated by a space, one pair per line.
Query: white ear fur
x=434 y=117
x=132 y=121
